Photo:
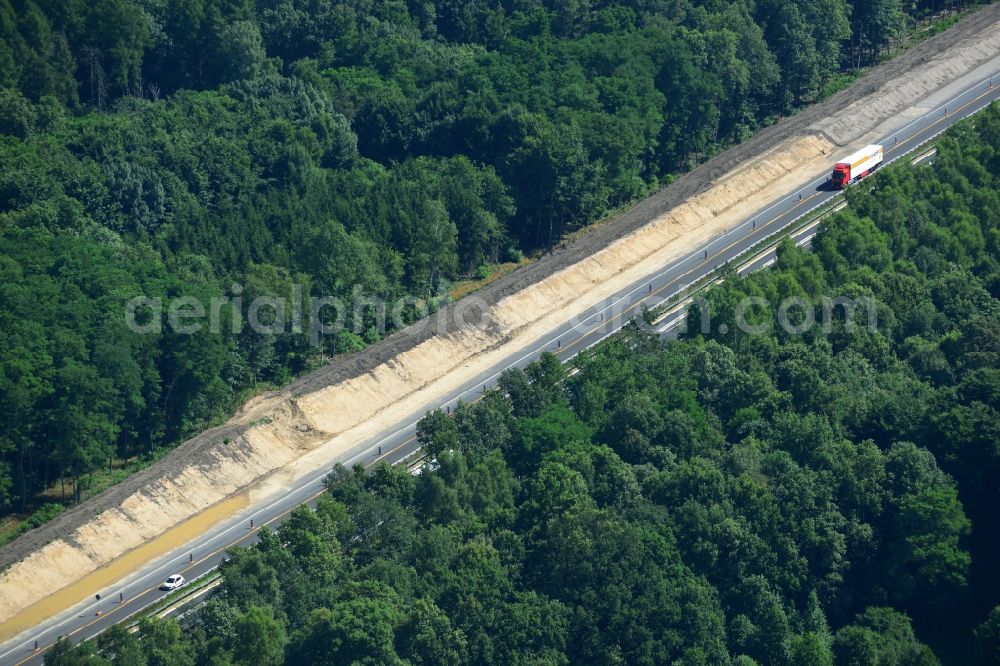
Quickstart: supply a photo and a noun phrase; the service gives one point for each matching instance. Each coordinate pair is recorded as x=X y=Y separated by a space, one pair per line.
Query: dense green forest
x=215 y=147
x=814 y=499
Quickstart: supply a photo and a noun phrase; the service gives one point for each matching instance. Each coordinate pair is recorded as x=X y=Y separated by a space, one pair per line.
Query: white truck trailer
x=857 y=166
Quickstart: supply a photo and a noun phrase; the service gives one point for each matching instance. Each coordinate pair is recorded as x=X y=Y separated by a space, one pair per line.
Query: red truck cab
x=841 y=175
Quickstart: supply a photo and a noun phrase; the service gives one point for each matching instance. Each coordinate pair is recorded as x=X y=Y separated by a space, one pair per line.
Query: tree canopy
x=818 y=498
x=237 y=148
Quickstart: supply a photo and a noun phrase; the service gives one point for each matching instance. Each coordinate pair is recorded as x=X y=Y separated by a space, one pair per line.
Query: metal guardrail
x=195 y=587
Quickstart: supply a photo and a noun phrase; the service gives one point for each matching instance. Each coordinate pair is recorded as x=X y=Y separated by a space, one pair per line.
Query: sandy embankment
x=276 y=439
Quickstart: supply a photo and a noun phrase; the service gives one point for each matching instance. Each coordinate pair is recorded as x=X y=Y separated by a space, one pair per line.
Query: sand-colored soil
x=105 y=576
x=911 y=88
x=278 y=438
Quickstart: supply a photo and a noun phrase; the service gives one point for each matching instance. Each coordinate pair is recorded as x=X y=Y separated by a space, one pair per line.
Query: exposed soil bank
x=276 y=438
x=105 y=577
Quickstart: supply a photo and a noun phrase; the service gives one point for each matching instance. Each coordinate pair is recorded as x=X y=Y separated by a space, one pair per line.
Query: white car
x=173 y=582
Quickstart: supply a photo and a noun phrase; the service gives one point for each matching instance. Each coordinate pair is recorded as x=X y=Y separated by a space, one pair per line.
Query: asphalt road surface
x=140 y=589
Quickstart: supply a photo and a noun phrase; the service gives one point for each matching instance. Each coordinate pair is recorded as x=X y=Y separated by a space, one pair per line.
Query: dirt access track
x=277 y=438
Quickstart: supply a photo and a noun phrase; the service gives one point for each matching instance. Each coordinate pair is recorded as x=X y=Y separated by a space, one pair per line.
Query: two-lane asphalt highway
x=140 y=589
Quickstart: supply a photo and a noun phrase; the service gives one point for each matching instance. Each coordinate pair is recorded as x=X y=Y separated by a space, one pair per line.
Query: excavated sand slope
x=277 y=438
x=445 y=362
x=910 y=88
